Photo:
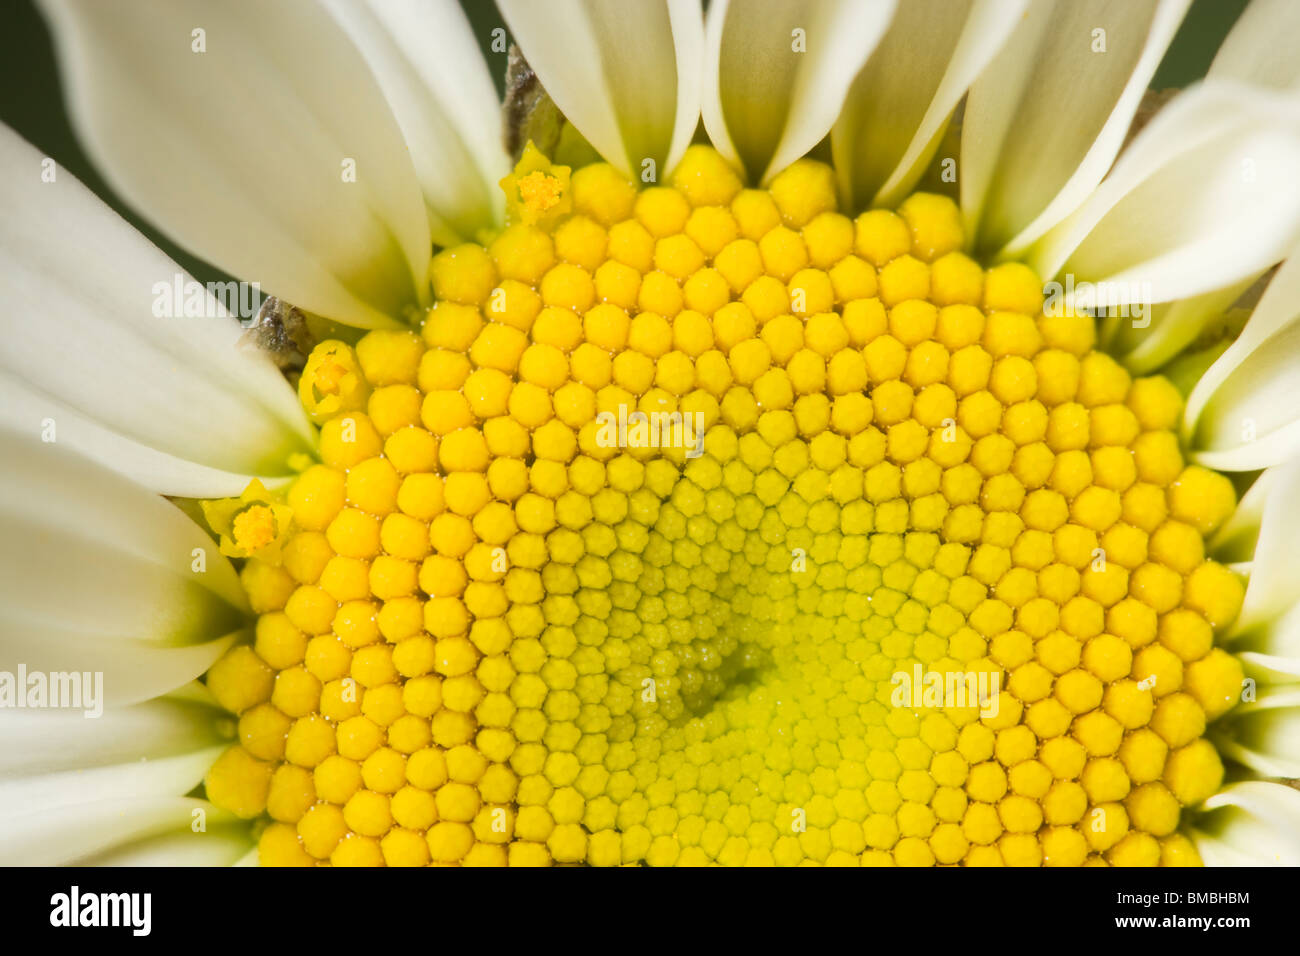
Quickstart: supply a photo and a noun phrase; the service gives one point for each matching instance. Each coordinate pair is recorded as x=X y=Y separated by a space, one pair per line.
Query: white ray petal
x=174 y=401
x=1264 y=734
x=626 y=75
x=1250 y=824
x=63 y=493
x=1204 y=198
x=1271 y=590
x=1237 y=537
x=1275 y=669
x=98 y=831
x=25 y=410
x=162 y=776
x=766 y=102
x=1049 y=115
x=1260 y=48
x=427 y=60
x=99 y=574
x=1046 y=120
x=1269 y=648
x=1240 y=414
x=1266 y=635
x=226 y=845
x=255 y=136
x=134 y=668
x=897 y=109
x=44 y=742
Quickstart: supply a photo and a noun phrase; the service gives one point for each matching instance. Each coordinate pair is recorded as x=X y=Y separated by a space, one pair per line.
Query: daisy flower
x=833 y=436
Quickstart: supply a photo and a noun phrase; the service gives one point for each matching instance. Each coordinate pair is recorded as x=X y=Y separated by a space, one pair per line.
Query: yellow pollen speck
x=254 y=528
x=252 y=525
x=702 y=524
x=539 y=192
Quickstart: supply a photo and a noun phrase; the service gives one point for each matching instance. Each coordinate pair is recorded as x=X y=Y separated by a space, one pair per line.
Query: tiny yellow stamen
x=539 y=192
x=328 y=377
x=332 y=381
x=254 y=528
x=250 y=525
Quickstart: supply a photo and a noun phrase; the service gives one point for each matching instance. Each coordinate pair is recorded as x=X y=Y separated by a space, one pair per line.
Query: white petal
x=1264 y=735
x=175 y=402
x=1173 y=326
x=1250 y=824
x=1261 y=46
x=227 y=845
x=1266 y=525
x=1270 y=648
x=1275 y=669
x=1271 y=590
x=1237 y=538
x=102 y=830
x=899 y=106
x=54 y=757
x=23 y=409
x=134 y=668
x=241 y=153
x=69 y=495
x=44 y=742
x=1241 y=414
x=427 y=60
x=765 y=104
x=1046 y=120
x=627 y=75
x=1205 y=197
x=96 y=574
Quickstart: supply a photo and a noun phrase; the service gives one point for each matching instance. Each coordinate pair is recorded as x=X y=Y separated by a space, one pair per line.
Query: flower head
x=739 y=502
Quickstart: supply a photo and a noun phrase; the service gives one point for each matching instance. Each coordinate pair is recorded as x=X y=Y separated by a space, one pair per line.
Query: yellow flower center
x=254 y=528
x=713 y=525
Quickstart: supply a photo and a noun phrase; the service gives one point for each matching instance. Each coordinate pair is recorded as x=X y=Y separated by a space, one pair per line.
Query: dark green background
x=31 y=98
